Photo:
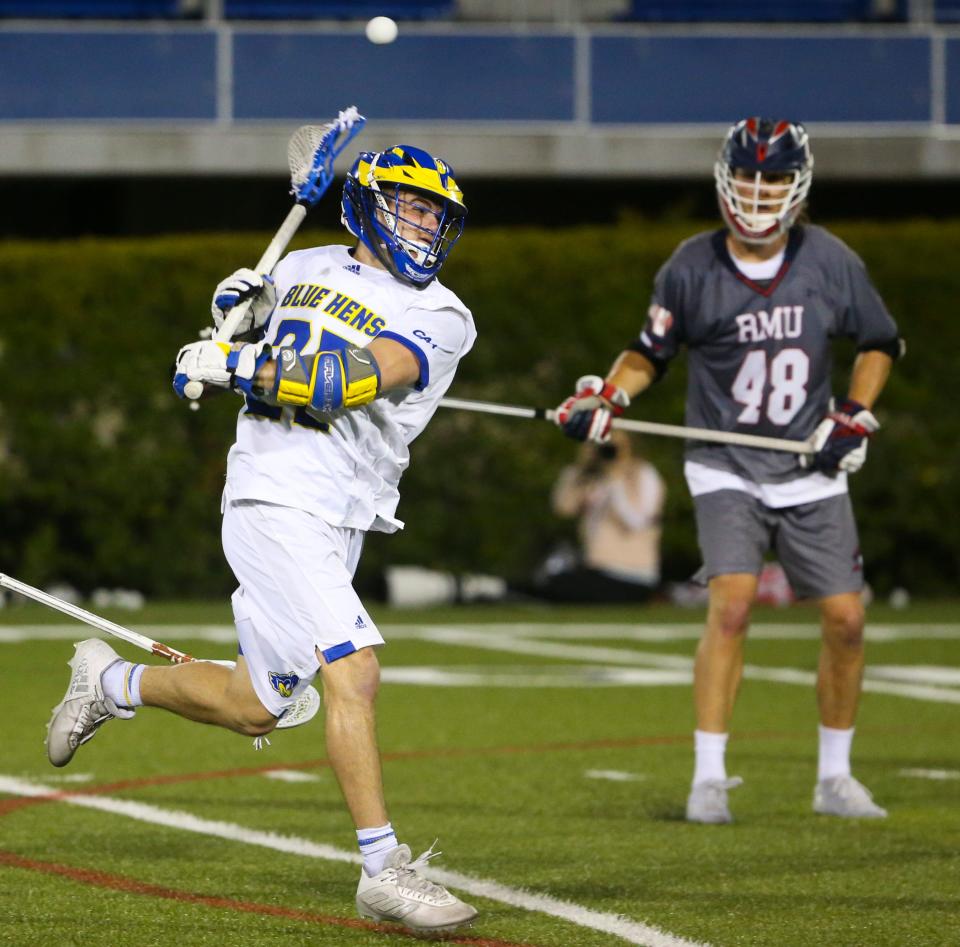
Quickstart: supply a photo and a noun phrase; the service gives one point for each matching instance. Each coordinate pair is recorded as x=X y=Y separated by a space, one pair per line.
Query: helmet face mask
x=406 y=208
x=763 y=175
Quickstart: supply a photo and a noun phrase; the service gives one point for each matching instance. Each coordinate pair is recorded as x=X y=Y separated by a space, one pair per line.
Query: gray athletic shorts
x=816 y=543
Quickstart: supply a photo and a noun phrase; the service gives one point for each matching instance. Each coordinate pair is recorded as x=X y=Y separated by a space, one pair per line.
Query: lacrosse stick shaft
x=271 y=257
x=303 y=710
x=194 y=389
x=88 y=618
x=640 y=427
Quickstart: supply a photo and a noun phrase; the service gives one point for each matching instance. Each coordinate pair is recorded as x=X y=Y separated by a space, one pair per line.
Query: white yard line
x=291 y=776
x=545 y=675
x=648 y=668
x=633 y=932
x=689 y=631
x=614 y=775
x=931 y=773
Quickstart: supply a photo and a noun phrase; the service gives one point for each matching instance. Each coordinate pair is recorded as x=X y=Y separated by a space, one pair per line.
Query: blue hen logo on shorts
x=283 y=684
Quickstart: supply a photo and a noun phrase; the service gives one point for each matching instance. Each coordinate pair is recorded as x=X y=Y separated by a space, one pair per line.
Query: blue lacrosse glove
x=840 y=440
x=587 y=415
x=220 y=365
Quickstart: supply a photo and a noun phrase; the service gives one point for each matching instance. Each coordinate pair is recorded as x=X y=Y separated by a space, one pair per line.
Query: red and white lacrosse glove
x=840 y=440
x=587 y=415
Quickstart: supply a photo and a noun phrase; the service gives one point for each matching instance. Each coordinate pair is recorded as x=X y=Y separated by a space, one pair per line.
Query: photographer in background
x=619 y=500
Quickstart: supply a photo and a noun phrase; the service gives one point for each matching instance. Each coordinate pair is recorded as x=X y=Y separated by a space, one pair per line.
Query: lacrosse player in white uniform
x=350 y=352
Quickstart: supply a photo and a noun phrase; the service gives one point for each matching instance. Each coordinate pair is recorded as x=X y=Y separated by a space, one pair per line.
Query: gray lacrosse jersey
x=760 y=352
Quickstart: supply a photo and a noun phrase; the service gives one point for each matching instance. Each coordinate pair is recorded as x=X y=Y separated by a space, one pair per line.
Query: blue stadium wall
x=888 y=95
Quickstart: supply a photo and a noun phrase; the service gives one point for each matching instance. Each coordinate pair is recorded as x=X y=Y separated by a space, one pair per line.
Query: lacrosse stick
x=305 y=708
x=641 y=427
x=310 y=155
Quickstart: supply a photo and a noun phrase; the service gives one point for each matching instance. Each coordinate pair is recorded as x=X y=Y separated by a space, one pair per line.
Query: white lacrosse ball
x=381 y=30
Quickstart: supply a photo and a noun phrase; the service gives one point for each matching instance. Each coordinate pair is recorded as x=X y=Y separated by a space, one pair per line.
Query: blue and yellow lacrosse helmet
x=380 y=186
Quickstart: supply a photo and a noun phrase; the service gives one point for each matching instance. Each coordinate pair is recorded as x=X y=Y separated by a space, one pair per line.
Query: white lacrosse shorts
x=295 y=597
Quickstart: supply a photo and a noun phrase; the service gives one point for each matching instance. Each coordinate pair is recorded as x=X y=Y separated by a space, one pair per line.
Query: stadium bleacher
x=231 y=9
x=647 y=11
x=91 y=9
x=347 y=9
x=768 y=11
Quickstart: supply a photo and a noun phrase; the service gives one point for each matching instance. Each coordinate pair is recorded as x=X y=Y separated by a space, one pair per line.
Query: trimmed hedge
x=106 y=479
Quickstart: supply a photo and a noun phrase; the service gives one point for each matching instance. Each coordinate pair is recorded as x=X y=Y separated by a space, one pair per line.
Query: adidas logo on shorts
x=359 y=623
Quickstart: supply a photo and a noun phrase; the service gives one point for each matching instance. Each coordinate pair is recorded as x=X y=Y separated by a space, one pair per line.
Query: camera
x=607 y=451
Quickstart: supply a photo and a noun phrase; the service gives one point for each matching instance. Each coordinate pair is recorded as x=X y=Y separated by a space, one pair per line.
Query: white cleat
x=846 y=797
x=707 y=801
x=401 y=893
x=84 y=707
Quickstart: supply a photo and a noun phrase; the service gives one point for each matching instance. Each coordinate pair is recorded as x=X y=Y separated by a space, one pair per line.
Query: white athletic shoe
x=401 y=893
x=846 y=797
x=707 y=801
x=84 y=707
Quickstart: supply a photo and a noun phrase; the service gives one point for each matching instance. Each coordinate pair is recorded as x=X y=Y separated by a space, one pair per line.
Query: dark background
x=134 y=206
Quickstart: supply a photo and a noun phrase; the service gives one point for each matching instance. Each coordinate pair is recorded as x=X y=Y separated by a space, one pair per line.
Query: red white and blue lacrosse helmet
x=400 y=173
x=760 y=211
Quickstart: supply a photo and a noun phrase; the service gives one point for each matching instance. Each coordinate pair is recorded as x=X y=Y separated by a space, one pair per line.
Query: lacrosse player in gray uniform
x=757 y=306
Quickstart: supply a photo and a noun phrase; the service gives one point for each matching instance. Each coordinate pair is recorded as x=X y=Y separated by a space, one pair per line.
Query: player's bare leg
x=838 y=694
x=208 y=693
x=397 y=891
x=719 y=661
x=841 y=659
x=350 y=686
x=718 y=670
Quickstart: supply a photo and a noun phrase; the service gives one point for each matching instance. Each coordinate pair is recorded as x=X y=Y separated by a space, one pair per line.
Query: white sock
x=121 y=683
x=709 y=750
x=834 y=756
x=375 y=844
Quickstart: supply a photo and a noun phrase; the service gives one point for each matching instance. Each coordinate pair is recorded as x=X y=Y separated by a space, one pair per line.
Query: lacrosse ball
x=381 y=29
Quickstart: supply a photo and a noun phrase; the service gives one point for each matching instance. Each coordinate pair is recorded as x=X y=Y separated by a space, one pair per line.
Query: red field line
x=100 y=879
x=8 y=806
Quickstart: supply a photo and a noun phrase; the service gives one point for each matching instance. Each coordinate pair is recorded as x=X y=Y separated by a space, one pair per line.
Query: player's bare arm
x=870 y=373
x=633 y=372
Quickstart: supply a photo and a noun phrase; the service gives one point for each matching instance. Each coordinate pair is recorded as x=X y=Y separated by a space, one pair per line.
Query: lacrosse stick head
x=407 y=208
x=312 y=151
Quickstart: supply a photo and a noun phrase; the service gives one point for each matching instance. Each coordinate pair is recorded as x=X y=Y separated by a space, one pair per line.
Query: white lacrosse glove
x=242 y=285
x=220 y=364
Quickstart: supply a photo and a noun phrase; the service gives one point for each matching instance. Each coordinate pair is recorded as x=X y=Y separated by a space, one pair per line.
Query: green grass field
x=550 y=751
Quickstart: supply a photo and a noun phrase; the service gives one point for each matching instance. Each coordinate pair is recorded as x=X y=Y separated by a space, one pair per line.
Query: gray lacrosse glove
x=238 y=287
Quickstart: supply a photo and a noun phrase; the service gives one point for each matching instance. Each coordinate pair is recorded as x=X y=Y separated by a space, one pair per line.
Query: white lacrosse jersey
x=345 y=467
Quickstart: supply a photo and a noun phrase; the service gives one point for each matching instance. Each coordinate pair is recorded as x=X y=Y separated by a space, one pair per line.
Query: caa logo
x=420 y=334
x=283 y=684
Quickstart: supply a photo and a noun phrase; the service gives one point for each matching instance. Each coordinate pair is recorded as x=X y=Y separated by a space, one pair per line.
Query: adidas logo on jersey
x=359 y=623
x=352 y=268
